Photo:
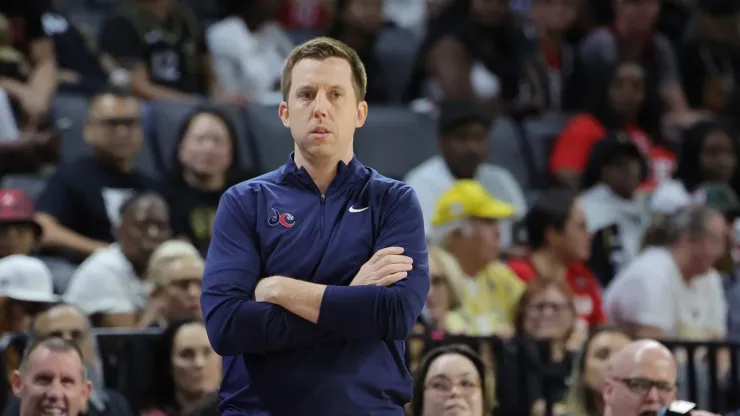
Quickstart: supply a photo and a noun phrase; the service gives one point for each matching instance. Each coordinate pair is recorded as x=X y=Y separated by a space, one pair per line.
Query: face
x=181 y=289
x=549 y=314
x=464 y=148
x=364 y=15
x=452 y=387
x=16 y=239
x=322 y=110
x=144 y=227
x=574 y=241
x=439 y=298
x=113 y=128
x=645 y=387
x=196 y=369
x=52 y=384
x=64 y=322
x=627 y=89
x=706 y=250
x=207 y=147
x=623 y=175
x=717 y=158
x=638 y=15
x=557 y=15
x=490 y=13
x=597 y=353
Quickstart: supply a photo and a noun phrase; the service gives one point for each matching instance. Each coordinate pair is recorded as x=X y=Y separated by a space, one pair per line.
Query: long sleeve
x=235 y=323
x=387 y=313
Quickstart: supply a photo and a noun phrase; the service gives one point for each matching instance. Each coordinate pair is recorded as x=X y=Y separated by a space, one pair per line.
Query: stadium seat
x=396 y=50
x=71 y=112
x=32 y=185
x=394 y=140
x=505 y=150
x=272 y=140
x=540 y=133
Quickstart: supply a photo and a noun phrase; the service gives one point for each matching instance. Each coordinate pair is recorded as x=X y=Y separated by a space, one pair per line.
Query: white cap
x=670 y=197
x=27 y=279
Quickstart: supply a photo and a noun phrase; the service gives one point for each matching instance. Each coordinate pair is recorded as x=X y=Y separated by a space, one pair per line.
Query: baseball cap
x=27 y=279
x=17 y=207
x=467 y=198
x=455 y=112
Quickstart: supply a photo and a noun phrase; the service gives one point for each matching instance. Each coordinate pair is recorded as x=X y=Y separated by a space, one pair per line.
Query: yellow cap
x=468 y=199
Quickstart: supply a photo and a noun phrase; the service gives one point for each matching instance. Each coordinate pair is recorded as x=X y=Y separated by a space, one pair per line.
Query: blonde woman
x=175 y=272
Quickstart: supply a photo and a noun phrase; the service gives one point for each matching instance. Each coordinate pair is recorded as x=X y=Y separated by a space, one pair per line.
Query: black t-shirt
x=171 y=49
x=25 y=22
x=192 y=212
x=86 y=196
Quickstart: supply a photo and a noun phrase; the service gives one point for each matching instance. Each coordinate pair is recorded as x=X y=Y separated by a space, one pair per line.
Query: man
x=51 y=379
x=671 y=291
x=111 y=284
x=309 y=290
x=466 y=224
x=464 y=128
x=79 y=209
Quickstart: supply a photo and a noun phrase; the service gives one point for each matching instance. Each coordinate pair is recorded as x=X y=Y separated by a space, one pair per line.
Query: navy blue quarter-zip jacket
x=352 y=361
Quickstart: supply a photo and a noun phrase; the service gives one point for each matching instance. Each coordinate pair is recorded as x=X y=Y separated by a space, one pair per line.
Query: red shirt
x=586 y=290
x=573 y=147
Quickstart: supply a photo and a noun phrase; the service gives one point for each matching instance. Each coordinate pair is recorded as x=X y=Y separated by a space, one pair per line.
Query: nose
x=652 y=395
x=320 y=103
x=194 y=290
x=200 y=362
x=54 y=392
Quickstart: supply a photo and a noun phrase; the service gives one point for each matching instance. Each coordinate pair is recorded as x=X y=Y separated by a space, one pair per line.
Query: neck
x=683 y=261
x=208 y=183
x=437 y=316
x=598 y=401
x=548 y=264
x=125 y=166
x=187 y=401
x=323 y=171
x=159 y=8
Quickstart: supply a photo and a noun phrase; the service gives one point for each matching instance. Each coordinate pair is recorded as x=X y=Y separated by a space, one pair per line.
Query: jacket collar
x=290 y=173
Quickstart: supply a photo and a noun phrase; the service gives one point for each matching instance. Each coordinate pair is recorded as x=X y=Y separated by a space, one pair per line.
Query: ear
x=283 y=113
x=361 y=114
x=87 y=390
x=16 y=382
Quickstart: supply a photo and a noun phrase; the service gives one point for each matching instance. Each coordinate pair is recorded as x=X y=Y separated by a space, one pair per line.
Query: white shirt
x=652 y=292
x=432 y=178
x=106 y=283
x=249 y=62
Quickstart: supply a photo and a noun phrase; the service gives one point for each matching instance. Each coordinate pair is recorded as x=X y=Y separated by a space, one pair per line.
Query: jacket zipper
x=323 y=214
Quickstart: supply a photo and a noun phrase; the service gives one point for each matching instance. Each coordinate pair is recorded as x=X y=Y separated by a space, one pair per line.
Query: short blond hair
x=168 y=253
x=322 y=48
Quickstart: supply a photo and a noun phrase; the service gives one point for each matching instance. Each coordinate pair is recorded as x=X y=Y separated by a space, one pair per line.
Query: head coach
x=316 y=271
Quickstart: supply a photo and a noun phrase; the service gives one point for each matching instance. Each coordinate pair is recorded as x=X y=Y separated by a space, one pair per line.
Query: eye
x=336 y=94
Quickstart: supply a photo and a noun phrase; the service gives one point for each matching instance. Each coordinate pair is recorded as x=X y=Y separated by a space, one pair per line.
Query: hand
x=265 y=290
x=34 y=107
x=154 y=311
x=386 y=267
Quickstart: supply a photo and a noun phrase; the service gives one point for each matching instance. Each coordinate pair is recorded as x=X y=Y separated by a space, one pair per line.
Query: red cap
x=17 y=207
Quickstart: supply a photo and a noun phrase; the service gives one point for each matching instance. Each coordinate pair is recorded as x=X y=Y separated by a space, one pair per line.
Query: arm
x=43 y=80
x=237 y=324
x=377 y=312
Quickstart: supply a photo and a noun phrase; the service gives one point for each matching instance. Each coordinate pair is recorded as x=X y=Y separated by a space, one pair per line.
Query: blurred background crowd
x=575 y=160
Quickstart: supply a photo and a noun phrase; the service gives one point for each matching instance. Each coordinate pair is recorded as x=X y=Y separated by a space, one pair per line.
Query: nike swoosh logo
x=354 y=210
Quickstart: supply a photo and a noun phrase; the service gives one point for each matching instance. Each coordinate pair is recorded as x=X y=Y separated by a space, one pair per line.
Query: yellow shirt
x=488 y=301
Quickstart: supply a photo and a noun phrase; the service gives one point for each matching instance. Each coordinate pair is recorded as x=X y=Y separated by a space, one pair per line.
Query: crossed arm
x=279 y=313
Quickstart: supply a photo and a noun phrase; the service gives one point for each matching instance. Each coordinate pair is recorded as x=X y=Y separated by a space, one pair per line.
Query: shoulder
x=390 y=192
x=104 y=264
x=424 y=170
x=225 y=30
x=598 y=38
x=251 y=187
x=504 y=274
x=522 y=268
x=583 y=121
x=669 y=196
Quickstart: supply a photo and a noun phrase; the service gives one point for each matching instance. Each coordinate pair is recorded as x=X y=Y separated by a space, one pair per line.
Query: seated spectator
x=111 y=286
x=546 y=312
x=633 y=37
x=475 y=51
x=162 y=43
x=249 y=48
x=671 y=291
x=464 y=129
x=51 y=379
x=26 y=289
x=175 y=272
x=19 y=231
x=707 y=170
x=466 y=227
x=452 y=376
x=560 y=243
x=615 y=214
x=79 y=209
x=584 y=395
x=310 y=15
x=358 y=24
x=441 y=310
x=709 y=58
x=206 y=164
x=33 y=92
x=617 y=105
x=67 y=322
x=193 y=369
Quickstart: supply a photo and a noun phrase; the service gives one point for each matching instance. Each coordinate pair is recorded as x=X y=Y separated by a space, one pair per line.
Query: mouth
x=53 y=411
x=320 y=132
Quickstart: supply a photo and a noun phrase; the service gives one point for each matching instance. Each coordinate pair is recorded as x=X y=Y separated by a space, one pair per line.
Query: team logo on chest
x=284 y=219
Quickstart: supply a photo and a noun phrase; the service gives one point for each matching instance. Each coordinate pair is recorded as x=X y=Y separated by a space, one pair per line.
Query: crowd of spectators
x=636 y=227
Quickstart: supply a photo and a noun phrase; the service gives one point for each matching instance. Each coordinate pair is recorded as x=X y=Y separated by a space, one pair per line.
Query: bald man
x=641 y=379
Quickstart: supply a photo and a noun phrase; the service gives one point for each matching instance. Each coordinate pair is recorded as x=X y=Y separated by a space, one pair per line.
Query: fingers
x=394 y=268
x=393 y=259
x=391 y=279
x=385 y=252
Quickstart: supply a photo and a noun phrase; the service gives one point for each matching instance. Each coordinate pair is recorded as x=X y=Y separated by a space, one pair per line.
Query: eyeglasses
x=643 y=386
x=444 y=385
x=438 y=280
x=112 y=123
x=553 y=307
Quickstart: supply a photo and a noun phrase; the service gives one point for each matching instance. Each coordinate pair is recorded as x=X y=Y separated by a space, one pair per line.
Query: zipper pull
x=323 y=198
